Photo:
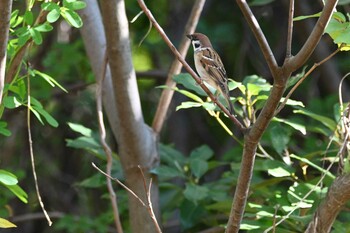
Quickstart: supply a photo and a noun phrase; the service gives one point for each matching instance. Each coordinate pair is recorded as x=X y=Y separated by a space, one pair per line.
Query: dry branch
x=338 y=195
x=175 y=68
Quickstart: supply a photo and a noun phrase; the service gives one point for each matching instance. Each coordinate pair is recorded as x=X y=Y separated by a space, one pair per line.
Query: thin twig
x=259 y=36
x=303 y=78
x=148 y=205
x=290 y=30
x=106 y=148
x=149 y=202
x=31 y=151
x=175 y=68
x=187 y=67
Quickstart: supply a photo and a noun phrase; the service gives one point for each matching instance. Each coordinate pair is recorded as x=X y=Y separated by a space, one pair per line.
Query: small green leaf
x=279 y=137
x=72 y=18
x=301 y=128
x=8 y=178
x=277 y=169
x=77 y=5
x=44 y=27
x=36 y=35
x=307 y=17
x=53 y=15
x=198 y=167
x=188 y=104
x=167 y=172
x=80 y=129
x=6 y=224
x=203 y=152
x=46 y=115
x=195 y=192
x=3 y=129
x=11 y=102
x=28 y=17
x=187 y=81
x=95 y=181
x=19 y=192
x=329 y=123
x=50 y=80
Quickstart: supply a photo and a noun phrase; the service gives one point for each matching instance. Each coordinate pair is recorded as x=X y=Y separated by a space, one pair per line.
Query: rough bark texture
x=5 y=14
x=338 y=195
x=136 y=141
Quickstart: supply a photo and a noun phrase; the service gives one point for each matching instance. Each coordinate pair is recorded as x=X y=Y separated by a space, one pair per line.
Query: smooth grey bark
x=136 y=141
x=5 y=15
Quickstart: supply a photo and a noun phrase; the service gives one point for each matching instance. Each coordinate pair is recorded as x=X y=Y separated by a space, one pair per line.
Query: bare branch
x=5 y=12
x=338 y=195
x=147 y=191
x=259 y=36
x=175 y=68
x=31 y=152
x=106 y=148
x=290 y=29
x=303 y=78
x=186 y=66
x=305 y=52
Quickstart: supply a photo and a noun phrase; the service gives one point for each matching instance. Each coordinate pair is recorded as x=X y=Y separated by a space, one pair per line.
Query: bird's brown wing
x=215 y=68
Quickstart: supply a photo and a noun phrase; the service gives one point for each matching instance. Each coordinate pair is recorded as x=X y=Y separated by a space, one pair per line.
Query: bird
x=209 y=66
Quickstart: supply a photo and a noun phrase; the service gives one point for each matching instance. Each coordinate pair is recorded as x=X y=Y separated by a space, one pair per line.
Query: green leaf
x=3 y=129
x=279 y=137
x=170 y=156
x=53 y=15
x=28 y=17
x=47 y=116
x=188 y=104
x=80 y=129
x=77 y=5
x=301 y=128
x=36 y=35
x=255 y=84
x=48 y=6
x=277 y=169
x=189 y=83
x=49 y=80
x=19 y=192
x=44 y=27
x=195 y=192
x=305 y=160
x=307 y=17
x=167 y=172
x=8 y=178
x=198 y=167
x=329 y=123
x=11 y=102
x=72 y=18
x=95 y=181
x=6 y=224
x=203 y=152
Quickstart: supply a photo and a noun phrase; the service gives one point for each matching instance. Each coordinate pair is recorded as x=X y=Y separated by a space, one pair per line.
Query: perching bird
x=209 y=66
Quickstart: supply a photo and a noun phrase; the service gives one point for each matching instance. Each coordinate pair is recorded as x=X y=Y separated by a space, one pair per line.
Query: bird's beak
x=189 y=37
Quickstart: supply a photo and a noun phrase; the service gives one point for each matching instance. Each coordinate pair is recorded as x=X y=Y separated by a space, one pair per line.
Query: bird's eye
x=196 y=44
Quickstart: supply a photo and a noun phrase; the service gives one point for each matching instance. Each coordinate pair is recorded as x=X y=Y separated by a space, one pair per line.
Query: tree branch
x=305 y=52
x=5 y=12
x=290 y=30
x=175 y=68
x=259 y=36
x=187 y=67
x=338 y=195
x=136 y=141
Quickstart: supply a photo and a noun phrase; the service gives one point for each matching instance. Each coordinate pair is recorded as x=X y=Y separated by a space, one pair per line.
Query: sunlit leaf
x=80 y=129
x=8 y=178
x=6 y=224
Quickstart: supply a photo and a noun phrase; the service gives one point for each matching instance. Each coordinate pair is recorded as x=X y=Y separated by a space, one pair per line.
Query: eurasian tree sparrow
x=209 y=66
